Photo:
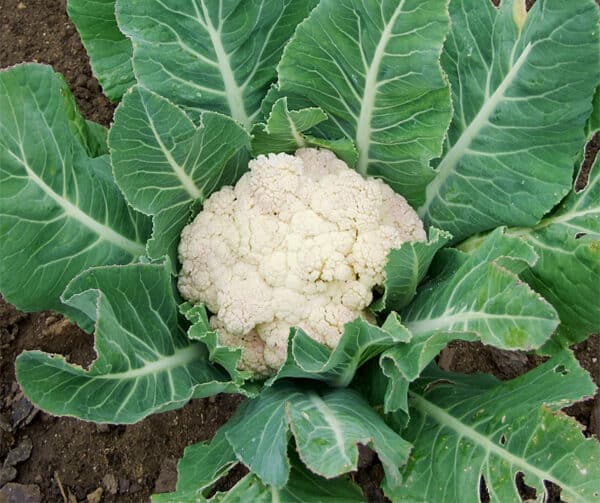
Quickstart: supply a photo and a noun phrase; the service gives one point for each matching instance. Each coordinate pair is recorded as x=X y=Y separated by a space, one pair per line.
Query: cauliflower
x=300 y=241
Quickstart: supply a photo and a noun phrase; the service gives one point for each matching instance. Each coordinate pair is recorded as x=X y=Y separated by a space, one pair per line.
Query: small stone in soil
x=102 y=428
x=21 y=409
x=167 y=477
x=4 y=424
x=7 y=474
x=20 y=493
x=124 y=486
x=20 y=453
x=110 y=483
x=95 y=497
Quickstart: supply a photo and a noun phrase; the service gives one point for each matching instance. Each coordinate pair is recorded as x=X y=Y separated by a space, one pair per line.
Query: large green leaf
x=521 y=88
x=309 y=359
x=217 y=55
x=60 y=210
x=164 y=164
x=568 y=271
x=326 y=425
x=473 y=297
x=465 y=428
x=109 y=51
x=203 y=464
x=373 y=67
x=481 y=294
x=145 y=362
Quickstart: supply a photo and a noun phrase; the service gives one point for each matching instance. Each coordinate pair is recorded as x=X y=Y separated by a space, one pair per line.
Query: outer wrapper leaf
x=203 y=464
x=478 y=427
x=58 y=201
x=145 y=362
x=326 y=427
x=164 y=164
x=309 y=359
x=520 y=101
x=210 y=55
x=109 y=50
x=405 y=269
x=473 y=297
x=373 y=67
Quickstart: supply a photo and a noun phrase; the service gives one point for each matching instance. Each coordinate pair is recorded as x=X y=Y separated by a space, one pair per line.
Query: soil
x=64 y=459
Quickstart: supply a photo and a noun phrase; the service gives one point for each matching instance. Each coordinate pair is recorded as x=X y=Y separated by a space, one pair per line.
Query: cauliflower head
x=301 y=240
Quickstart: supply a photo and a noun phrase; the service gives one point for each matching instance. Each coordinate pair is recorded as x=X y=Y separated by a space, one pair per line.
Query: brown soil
x=64 y=459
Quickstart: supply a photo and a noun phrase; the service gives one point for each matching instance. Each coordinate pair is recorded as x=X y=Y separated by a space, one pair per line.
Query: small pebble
x=110 y=483
x=102 y=428
x=7 y=474
x=21 y=6
x=124 y=486
x=20 y=453
x=95 y=497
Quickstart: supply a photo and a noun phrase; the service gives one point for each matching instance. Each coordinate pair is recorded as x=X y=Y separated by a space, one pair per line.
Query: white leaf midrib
x=233 y=91
x=456 y=153
x=186 y=180
x=180 y=358
x=134 y=248
x=333 y=423
x=448 y=321
x=444 y=418
x=363 y=130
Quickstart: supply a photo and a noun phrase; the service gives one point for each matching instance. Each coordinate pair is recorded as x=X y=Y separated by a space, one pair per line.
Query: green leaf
x=283 y=129
x=469 y=427
x=481 y=294
x=109 y=51
x=303 y=486
x=210 y=55
x=60 y=209
x=284 y=132
x=373 y=67
x=593 y=123
x=163 y=163
x=405 y=269
x=520 y=102
x=309 y=359
x=203 y=464
x=568 y=243
x=145 y=362
x=473 y=297
x=327 y=427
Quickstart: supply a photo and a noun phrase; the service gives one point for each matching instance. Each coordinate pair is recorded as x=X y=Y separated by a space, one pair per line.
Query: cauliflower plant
x=301 y=240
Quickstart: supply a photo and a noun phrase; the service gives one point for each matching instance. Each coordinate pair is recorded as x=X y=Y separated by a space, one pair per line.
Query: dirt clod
x=22 y=412
x=7 y=474
x=95 y=497
x=20 y=493
x=167 y=477
x=109 y=481
x=20 y=453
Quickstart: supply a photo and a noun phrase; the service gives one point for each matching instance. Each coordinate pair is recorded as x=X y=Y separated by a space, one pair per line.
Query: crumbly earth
x=301 y=240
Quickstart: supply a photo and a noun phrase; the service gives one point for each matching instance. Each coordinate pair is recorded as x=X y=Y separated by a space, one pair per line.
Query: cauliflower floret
x=301 y=240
